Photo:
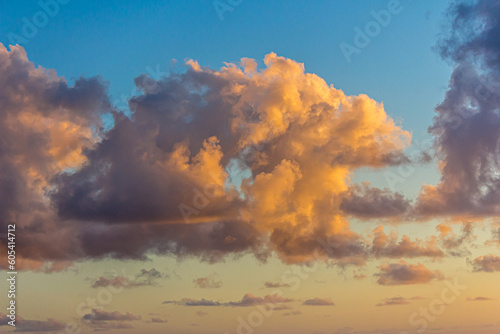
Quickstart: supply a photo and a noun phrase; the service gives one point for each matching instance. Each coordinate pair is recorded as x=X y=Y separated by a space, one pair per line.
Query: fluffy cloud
x=487 y=263
x=211 y=163
x=403 y=273
x=467 y=123
x=318 y=302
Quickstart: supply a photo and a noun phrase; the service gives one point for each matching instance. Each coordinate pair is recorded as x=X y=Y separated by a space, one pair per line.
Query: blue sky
x=398 y=66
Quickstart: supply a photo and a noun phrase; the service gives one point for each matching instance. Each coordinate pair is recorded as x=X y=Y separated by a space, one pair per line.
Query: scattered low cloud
x=486 y=263
x=403 y=273
x=479 y=299
x=318 y=302
x=208 y=282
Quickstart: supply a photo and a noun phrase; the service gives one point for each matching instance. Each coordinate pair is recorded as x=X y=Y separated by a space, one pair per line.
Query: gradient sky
x=338 y=195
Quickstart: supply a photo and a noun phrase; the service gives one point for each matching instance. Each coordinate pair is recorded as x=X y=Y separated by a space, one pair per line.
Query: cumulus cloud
x=295 y=138
x=209 y=282
x=318 y=302
x=403 y=273
x=466 y=127
x=163 y=180
x=486 y=263
x=45 y=131
x=158 y=320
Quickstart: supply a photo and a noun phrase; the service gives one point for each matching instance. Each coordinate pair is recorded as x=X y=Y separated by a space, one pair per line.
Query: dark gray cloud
x=367 y=202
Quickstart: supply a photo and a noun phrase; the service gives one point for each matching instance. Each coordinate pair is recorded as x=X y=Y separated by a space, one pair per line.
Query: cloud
x=466 y=127
x=201 y=313
x=164 y=181
x=295 y=138
x=318 y=302
x=43 y=134
x=209 y=282
x=402 y=274
x=158 y=320
x=251 y=300
x=394 y=301
x=486 y=263
x=366 y=202
x=247 y=300
x=100 y=315
x=193 y=302
x=479 y=299
x=276 y=285
x=457 y=245
x=143 y=278
x=24 y=325
x=384 y=245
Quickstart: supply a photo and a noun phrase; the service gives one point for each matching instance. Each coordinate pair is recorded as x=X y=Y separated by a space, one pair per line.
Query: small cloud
x=100 y=315
x=209 y=282
x=193 y=302
x=143 y=278
x=318 y=302
x=276 y=285
x=393 y=301
x=250 y=300
x=487 y=263
x=404 y=274
x=479 y=299
x=158 y=320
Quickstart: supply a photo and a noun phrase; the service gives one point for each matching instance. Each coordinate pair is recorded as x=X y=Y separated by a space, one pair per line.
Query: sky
x=237 y=166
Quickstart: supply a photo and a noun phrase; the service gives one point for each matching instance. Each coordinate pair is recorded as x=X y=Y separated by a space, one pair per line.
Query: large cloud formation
x=210 y=163
x=467 y=124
